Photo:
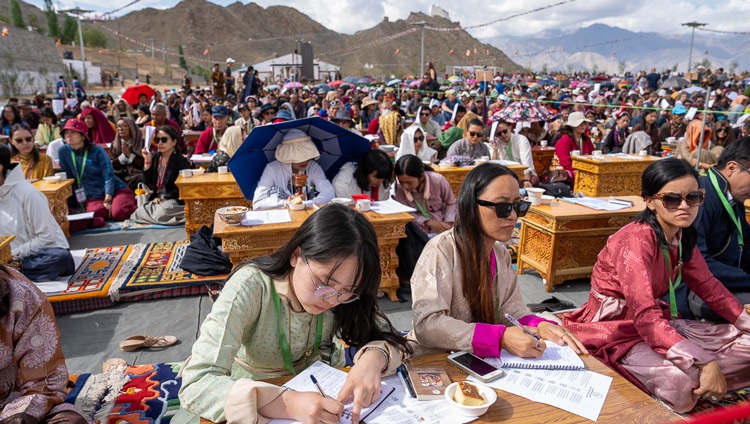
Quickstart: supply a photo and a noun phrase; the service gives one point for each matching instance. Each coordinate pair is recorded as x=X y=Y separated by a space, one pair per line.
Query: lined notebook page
x=554 y=358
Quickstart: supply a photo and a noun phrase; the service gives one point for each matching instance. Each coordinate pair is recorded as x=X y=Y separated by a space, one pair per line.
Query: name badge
x=80 y=195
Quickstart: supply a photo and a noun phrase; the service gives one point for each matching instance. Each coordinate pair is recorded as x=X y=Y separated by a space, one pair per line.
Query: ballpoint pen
x=315 y=382
x=525 y=330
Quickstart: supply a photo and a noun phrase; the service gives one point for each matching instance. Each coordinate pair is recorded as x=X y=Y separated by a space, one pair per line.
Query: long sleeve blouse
x=440 y=206
x=92 y=171
x=164 y=185
x=275 y=186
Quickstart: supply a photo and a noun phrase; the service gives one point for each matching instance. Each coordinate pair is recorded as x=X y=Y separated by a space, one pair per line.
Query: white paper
x=599 y=204
x=580 y=392
x=58 y=106
x=61 y=284
x=148 y=135
x=691 y=113
x=270 y=216
x=597 y=88
x=664 y=104
x=390 y=207
x=81 y=216
x=554 y=356
x=505 y=162
x=397 y=408
x=711 y=103
x=203 y=158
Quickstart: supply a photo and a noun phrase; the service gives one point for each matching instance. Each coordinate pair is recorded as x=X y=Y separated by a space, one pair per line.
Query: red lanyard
x=161 y=171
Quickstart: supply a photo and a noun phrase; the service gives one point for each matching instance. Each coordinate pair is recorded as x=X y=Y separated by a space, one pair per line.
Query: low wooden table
x=57 y=197
x=609 y=176
x=625 y=403
x=242 y=243
x=561 y=241
x=204 y=194
x=5 y=253
x=543 y=157
x=456 y=174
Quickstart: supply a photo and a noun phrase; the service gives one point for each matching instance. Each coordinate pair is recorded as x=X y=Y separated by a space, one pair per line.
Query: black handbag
x=204 y=256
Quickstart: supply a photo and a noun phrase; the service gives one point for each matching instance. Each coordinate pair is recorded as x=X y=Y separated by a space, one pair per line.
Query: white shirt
x=521 y=149
x=275 y=186
x=345 y=184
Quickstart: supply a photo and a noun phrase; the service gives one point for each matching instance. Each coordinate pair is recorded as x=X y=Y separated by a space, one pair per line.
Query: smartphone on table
x=475 y=366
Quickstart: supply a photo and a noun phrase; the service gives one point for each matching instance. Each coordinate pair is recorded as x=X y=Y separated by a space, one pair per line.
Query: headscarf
x=390 y=128
x=693 y=134
x=231 y=140
x=464 y=122
x=116 y=114
x=136 y=140
x=738 y=100
x=407 y=145
x=102 y=133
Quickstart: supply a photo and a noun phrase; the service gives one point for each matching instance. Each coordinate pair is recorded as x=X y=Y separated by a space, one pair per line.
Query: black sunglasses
x=475 y=134
x=503 y=132
x=424 y=114
x=25 y=139
x=418 y=138
x=503 y=209
x=162 y=139
x=672 y=201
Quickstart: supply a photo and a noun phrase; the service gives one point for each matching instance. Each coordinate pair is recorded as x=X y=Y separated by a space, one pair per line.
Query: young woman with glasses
x=464 y=281
x=634 y=319
x=160 y=171
x=280 y=313
x=472 y=145
x=34 y=164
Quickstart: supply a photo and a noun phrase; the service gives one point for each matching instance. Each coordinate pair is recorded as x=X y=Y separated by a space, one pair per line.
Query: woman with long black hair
x=280 y=313
x=372 y=175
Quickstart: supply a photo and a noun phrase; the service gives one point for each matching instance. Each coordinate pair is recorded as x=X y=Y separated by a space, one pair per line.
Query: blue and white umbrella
x=336 y=145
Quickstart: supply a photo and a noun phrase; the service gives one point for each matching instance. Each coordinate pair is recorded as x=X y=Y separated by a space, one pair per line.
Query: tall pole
x=692 y=25
x=421 y=64
x=152 y=48
x=78 y=12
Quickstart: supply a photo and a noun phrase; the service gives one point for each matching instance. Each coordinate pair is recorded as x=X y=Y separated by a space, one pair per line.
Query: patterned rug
x=157 y=269
x=730 y=399
x=136 y=394
x=89 y=287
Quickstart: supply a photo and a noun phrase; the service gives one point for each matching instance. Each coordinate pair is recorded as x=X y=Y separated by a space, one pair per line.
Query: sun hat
x=450 y=91
x=282 y=115
x=296 y=147
x=575 y=119
x=76 y=125
x=266 y=107
x=342 y=115
x=230 y=60
x=435 y=102
x=368 y=101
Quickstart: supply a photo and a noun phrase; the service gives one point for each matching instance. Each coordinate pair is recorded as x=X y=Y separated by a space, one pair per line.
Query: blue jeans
x=49 y=264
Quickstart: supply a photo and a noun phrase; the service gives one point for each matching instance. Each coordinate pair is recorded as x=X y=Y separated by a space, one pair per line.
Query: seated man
x=40 y=244
x=472 y=145
x=33 y=377
x=721 y=225
x=507 y=145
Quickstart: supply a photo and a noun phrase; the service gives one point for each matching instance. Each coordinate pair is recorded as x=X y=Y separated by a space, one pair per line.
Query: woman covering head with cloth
x=100 y=129
x=34 y=164
x=280 y=313
x=228 y=145
x=296 y=155
x=464 y=281
x=413 y=142
x=687 y=148
x=626 y=324
x=125 y=153
x=372 y=175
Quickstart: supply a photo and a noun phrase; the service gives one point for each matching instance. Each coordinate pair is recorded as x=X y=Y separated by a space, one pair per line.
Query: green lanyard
x=286 y=352
x=79 y=176
x=509 y=149
x=672 y=297
x=730 y=211
x=421 y=209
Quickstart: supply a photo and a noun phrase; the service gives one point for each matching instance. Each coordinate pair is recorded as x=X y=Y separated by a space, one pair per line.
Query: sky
x=349 y=16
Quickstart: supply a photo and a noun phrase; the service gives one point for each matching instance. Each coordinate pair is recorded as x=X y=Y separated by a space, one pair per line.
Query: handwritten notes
x=270 y=216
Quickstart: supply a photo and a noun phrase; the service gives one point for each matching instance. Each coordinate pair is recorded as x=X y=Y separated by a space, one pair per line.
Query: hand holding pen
x=525 y=343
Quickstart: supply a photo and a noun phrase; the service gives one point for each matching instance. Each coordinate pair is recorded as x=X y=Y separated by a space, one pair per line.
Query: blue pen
x=315 y=382
x=404 y=377
x=525 y=330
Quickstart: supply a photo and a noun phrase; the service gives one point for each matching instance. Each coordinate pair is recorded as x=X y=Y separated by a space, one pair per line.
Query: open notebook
x=554 y=358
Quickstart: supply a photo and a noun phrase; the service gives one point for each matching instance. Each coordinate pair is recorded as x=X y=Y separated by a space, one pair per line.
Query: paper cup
x=535 y=195
x=598 y=153
x=363 y=205
x=543 y=143
x=575 y=153
x=223 y=170
x=643 y=153
x=63 y=176
x=186 y=173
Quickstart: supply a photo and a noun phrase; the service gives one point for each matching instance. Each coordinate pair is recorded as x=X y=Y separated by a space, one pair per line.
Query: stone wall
x=29 y=63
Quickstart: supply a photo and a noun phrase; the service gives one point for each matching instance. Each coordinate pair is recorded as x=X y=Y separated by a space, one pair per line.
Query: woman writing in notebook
x=464 y=282
x=628 y=326
x=279 y=313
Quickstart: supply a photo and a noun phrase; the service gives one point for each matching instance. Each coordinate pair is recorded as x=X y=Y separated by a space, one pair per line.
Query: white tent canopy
x=290 y=65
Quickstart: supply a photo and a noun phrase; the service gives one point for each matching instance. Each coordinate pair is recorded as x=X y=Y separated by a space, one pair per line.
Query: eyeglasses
x=475 y=134
x=418 y=138
x=322 y=291
x=162 y=139
x=500 y=133
x=718 y=130
x=424 y=114
x=743 y=167
x=672 y=201
x=503 y=209
x=22 y=140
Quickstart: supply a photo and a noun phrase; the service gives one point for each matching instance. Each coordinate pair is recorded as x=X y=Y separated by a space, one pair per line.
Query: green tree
x=201 y=71
x=69 y=30
x=183 y=63
x=34 y=23
x=53 y=26
x=16 y=17
x=93 y=37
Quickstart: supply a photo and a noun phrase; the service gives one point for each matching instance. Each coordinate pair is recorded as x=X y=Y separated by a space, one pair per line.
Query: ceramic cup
x=186 y=173
x=598 y=153
x=543 y=143
x=535 y=195
x=363 y=205
x=63 y=176
x=223 y=170
x=485 y=158
x=643 y=153
x=575 y=153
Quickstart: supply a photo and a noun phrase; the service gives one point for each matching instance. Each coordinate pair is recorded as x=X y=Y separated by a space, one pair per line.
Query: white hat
x=435 y=102
x=450 y=91
x=503 y=97
x=296 y=147
x=230 y=60
x=575 y=119
x=464 y=94
x=498 y=79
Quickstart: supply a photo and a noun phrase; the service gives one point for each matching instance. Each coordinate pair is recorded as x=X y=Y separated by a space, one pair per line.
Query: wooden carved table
x=456 y=174
x=610 y=175
x=57 y=196
x=561 y=241
x=543 y=157
x=5 y=253
x=625 y=403
x=242 y=242
x=204 y=194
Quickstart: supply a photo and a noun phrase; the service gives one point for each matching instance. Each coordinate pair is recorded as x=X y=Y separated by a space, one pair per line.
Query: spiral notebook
x=554 y=358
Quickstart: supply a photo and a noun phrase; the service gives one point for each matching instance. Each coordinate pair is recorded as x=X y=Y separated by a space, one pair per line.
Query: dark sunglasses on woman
x=503 y=209
x=672 y=201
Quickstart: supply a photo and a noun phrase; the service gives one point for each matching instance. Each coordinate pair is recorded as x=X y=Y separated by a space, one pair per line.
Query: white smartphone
x=475 y=366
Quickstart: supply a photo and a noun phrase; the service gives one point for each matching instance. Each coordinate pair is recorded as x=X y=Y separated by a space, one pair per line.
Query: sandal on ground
x=552 y=304
x=136 y=342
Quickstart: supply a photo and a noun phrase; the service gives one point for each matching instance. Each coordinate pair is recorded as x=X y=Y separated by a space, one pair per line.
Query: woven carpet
x=156 y=271
x=89 y=287
x=730 y=399
x=133 y=394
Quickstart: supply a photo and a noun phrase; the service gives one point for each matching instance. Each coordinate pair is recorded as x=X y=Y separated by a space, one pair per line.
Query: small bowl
x=198 y=171
x=342 y=200
x=547 y=200
x=232 y=215
x=52 y=179
x=488 y=393
x=296 y=206
x=534 y=191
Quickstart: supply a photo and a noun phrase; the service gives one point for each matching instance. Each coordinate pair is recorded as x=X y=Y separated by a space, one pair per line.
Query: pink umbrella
x=293 y=84
x=415 y=83
x=471 y=81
